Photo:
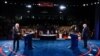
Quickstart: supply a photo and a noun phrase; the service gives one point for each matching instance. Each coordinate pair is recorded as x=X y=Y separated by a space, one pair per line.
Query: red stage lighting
x=45 y=4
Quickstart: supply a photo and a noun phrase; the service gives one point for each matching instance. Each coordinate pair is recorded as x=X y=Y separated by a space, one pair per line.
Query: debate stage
x=50 y=48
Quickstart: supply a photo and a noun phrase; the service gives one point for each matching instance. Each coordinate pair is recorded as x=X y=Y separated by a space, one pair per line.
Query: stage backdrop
x=97 y=22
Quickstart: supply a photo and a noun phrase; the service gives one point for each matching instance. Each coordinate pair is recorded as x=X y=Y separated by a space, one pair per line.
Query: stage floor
x=50 y=48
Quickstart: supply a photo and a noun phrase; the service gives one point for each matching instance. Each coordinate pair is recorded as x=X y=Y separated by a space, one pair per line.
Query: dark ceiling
x=20 y=8
x=74 y=11
x=74 y=8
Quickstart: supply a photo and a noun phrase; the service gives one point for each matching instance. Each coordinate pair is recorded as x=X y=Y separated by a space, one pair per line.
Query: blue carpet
x=50 y=48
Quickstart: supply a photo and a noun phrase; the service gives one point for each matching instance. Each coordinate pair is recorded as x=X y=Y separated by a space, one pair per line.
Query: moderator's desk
x=48 y=36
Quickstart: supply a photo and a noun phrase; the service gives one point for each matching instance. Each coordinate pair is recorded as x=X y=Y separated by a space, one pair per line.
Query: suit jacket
x=15 y=32
x=85 y=33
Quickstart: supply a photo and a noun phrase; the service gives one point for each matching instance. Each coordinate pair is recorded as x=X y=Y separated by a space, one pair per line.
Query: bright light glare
x=28 y=6
x=62 y=7
x=6 y=2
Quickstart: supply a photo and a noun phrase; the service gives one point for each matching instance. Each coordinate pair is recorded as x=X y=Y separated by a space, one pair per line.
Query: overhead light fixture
x=62 y=7
x=39 y=4
x=97 y=2
x=28 y=11
x=28 y=6
x=84 y=5
x=33 y=17
x=6 y=2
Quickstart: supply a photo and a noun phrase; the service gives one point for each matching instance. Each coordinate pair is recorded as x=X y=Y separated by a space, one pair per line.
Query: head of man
x=84 y=25
x=17 y=25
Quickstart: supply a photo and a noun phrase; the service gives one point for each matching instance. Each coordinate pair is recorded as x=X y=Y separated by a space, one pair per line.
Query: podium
x=28 y=41
x=74 y=41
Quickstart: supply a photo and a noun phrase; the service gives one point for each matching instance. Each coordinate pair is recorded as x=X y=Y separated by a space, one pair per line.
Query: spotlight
x=28 y=6
x=62 y=7
x=6 y=2
x=84 y=5
x=97 y=2
x=33 y=17
x=39 y=4
x=28 y=11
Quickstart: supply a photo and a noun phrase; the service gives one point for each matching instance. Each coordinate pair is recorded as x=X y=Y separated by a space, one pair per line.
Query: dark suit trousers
x=85 y=42
x=16 y=42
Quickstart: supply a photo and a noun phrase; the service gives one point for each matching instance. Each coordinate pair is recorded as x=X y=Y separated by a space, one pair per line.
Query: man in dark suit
x=16 y=36
x=85 y=34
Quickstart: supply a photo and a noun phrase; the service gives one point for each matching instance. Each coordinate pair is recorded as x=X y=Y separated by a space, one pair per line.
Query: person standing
x=85 y=34
x=74 y=37
x=16 y=36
